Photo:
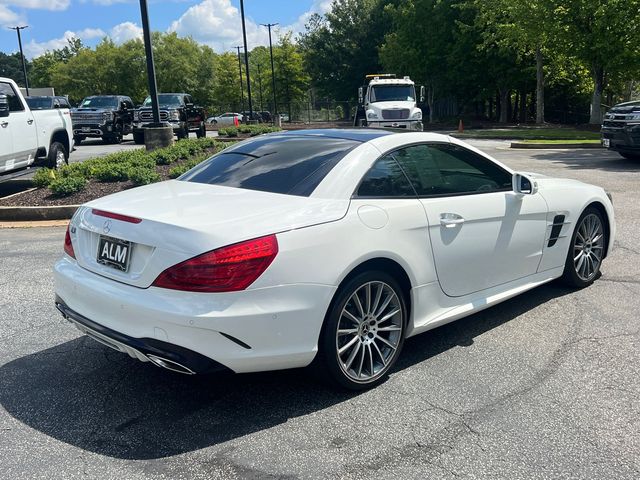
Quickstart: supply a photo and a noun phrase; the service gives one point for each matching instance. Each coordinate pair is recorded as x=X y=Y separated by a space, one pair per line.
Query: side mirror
x=57 y=105
x=360 y=95
x=4 y=106
x=422 y=93
x=524 y=185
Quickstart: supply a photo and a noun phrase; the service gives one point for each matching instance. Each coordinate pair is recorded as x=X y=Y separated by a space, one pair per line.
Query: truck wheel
x=202 y=131
x=138 y=137
x=630 y=156
x=58 y=156
x=183 y=132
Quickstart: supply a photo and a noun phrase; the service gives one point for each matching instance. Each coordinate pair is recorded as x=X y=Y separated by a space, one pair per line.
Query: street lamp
x=240 y=70
x=24 y=65
x=157 y=134
x=246 y=60
x=273 y=74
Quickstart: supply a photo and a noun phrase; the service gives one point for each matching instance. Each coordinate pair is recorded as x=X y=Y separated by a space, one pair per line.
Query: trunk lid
x=183 y=219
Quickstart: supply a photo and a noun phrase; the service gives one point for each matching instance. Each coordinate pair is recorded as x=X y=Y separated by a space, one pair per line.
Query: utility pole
x=246 y=60
x=240 y=70
x=273 y=74
x=24 y=65
x=260 y=87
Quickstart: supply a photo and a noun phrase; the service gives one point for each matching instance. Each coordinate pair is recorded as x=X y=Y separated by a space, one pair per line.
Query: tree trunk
x=523 y=106
x=539 y=86
x=490 y=116
x=596 y=99
x=516 y=108
x=430 y=97
x=504 y=105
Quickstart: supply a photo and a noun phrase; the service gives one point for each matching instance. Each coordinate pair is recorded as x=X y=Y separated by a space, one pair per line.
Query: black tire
x=138 y=137
x=202 y=131
x=58 y=156
x=183 y=132
x=78 y=140
x=630 y=156
x=572 y=275
x=328 y=362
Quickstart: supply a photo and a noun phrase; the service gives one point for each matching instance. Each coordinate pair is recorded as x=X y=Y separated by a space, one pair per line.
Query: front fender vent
x=558 y=222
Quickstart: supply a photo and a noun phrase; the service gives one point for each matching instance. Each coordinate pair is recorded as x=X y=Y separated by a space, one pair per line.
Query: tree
x=291 y=78
x=226 y=90
x=11 y=67
x=603 y=35
x=42 y=66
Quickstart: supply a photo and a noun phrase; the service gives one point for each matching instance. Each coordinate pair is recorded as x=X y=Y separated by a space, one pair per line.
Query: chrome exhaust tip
x=169 y=365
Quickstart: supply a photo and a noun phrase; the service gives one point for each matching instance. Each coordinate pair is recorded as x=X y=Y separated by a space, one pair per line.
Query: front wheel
x=78 y=140
x=586 y=250
x=630 y=156
x=364 y=331
x=58 y=156
x=202 y=131
x=183 y=132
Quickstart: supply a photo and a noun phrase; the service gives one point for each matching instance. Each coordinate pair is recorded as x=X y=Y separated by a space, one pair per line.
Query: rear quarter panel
x=51 y=121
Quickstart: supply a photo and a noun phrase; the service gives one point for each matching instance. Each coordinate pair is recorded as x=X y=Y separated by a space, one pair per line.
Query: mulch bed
x=43 y=196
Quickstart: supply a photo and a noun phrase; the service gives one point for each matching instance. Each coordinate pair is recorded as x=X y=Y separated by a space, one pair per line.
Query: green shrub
x=44 y=177
x=251 y=130
x=112 y=172
x=228 y=132
x=65 y=186
x=143 y=176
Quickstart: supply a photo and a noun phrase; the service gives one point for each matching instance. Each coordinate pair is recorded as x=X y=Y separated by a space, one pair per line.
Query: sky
x=212 y=22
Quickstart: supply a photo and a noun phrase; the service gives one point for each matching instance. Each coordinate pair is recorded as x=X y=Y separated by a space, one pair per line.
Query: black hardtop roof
x=356 y=134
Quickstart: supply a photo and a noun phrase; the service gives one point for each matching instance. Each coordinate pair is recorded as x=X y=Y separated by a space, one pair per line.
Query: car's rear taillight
x=226 y=269
x=68 y=246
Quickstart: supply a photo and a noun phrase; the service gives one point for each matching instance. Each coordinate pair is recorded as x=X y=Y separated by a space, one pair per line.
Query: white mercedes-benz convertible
x=325 y=246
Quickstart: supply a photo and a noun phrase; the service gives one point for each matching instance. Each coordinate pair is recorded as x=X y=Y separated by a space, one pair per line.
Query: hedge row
x=252 y=130
x=138 y=166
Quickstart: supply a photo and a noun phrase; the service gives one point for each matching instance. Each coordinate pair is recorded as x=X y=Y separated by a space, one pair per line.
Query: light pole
x=246 y=60
x=24 y=65
x=273 y=74
x=240 y=70
x=157 y=134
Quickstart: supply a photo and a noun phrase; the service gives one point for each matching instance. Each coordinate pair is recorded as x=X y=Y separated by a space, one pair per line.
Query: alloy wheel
x=369 y=332
x=588 y=247
x=60 y=160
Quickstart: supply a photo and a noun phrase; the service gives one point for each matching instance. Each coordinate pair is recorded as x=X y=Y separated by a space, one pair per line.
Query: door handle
x=4 y=124
x=450 y=220
x=30 y=121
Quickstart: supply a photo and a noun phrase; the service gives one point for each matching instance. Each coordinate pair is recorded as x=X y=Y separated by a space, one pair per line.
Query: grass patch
x=138 y=166
x=551 y=142
x=533 y=133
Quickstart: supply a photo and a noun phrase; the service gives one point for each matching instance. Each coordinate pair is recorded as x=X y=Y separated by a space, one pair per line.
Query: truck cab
x=389 y=102
x=621 y=130
x=28 y=136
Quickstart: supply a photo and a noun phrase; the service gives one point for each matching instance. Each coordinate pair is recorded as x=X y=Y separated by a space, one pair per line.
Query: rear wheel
x=58 y=156
x=630 y=156
x=586 y=250
x=364 y=331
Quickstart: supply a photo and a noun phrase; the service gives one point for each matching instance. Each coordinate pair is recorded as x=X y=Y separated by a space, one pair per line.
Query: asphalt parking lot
x=546 y=385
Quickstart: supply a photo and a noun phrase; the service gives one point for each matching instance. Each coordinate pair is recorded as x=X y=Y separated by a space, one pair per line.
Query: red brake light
x=226 y=269
x=68 y=246
x=116 y=216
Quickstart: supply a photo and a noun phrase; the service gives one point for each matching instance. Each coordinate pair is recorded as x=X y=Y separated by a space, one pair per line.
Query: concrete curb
x=31 y=214
x=551 y=146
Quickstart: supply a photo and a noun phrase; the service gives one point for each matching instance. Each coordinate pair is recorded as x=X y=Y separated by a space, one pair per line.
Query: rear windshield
x=292 y=165
x=39 y=103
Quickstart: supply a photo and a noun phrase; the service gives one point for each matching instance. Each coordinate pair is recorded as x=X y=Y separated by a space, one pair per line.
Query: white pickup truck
x=28 y=136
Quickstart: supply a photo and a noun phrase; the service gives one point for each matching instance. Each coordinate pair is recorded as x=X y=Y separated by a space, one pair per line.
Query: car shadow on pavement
x=100 y=400
x=595 y=159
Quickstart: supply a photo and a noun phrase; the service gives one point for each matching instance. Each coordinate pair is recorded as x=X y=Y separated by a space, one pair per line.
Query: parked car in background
x=28 y=136
x=621 y=129
x=255 y=117
x=225 y=119
x=103 y=116
x=266 y=116
x=178 y=109
x=47 y=102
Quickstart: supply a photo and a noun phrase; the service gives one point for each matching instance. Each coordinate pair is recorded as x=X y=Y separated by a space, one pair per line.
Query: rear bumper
x=252 y=330
x=623 y=138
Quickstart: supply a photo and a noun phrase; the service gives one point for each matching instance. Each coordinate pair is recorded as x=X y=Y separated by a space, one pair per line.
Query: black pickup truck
x=178 y=109
x=621 y=129
x=103 y=116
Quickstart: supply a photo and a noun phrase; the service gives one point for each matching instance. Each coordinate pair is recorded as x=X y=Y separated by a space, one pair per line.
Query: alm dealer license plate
x=114 y=252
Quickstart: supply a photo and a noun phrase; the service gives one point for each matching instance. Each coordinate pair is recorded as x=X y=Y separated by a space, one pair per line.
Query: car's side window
x=15 y=105
x=385 y=179
x=446 y=169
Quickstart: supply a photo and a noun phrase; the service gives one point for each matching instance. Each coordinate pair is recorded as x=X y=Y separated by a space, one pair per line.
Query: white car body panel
x=501 y=250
